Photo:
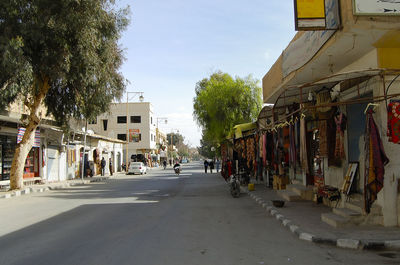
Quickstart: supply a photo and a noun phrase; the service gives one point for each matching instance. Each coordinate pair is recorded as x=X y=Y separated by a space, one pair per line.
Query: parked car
x=184 y=161
x=137 y=168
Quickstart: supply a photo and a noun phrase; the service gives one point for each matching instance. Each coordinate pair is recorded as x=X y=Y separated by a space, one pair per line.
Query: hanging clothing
x=394 y=122
x=323 y=138
x=339 y=143
x=303 y=146
x=264 y=149
x=292 y=146
x=375 y=160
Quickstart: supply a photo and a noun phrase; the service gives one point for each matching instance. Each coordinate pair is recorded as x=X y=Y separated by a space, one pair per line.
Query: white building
x=133 y=119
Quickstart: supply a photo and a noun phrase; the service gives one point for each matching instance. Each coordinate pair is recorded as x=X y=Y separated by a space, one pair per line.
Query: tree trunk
x=23 y=147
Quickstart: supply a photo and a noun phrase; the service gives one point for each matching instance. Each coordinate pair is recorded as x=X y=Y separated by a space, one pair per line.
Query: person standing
x=111 y=167
x=205 y=165
x=218 y=163
x=103 y=166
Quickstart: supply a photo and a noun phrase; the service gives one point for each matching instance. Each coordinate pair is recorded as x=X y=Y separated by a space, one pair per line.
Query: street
x=158 y=218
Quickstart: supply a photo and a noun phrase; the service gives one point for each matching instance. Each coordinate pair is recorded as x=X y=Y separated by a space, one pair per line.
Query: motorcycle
x=177 y=170
x=234 y=185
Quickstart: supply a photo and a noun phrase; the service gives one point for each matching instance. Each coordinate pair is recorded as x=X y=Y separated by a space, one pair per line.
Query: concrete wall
x=392 y=170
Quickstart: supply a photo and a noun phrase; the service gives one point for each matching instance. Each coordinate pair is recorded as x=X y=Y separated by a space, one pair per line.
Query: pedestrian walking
x=205 y=165
x=103 y=166
x=111 y=167
x=218 y=163
x=211 y=165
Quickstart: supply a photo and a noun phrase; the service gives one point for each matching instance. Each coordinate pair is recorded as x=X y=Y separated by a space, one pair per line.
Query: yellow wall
x=388 y=48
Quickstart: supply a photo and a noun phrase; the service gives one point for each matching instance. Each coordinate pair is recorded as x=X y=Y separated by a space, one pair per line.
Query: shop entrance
x=356 y=120
x=7 y=148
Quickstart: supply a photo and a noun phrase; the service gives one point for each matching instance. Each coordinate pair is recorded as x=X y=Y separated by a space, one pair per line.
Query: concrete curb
x=348 y=243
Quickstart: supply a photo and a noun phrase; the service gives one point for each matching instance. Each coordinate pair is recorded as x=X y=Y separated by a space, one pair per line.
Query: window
x=121 y=136
x=151 y=120
x=105 y=123
x=121 y=119
x=136 y=119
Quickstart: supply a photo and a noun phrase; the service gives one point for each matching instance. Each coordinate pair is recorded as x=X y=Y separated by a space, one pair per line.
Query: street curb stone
x=306 y=236
x=348 y=243
x=392 y=244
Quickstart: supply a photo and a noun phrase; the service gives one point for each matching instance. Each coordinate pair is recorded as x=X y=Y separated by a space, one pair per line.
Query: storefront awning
x=240 y=129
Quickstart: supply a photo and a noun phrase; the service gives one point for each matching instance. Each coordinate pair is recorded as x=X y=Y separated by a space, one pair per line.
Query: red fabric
x=229 y=168
x=394 y=122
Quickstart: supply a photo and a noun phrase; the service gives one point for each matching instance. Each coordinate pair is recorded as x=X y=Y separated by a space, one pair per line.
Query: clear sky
x=170 y=45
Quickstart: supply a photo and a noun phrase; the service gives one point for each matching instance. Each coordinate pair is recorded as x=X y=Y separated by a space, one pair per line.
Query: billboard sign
x=309 y=14
x=134 y=135
x=376 y=7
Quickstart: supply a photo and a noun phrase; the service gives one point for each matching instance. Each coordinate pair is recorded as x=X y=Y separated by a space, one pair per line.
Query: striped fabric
x=21 y=132
x=36 y=142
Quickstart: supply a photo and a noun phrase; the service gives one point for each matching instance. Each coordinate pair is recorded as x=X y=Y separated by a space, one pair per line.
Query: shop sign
x=316 y=14
x=376 y=7
x=309 y=14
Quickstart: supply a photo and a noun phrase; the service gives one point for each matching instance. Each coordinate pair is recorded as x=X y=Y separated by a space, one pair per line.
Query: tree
x=178 y=140
x=63 y=55
x=221 y=102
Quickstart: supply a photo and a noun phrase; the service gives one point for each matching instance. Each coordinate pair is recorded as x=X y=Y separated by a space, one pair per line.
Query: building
x=350 y=71
x=55 y=155
x=162 y=146
x=132 y=122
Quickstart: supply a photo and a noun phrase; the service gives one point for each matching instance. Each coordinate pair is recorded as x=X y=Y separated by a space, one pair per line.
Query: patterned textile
x=394 y=122
x=339 y=145
x=21 y=133
x=323 y=139
x=264 y=150
x=303 y=146
x=375 y=160
x=292 y=146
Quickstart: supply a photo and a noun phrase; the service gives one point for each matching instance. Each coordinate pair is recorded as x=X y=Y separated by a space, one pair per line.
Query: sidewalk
x=4 y=194
x=303 y=218
x=54 y=186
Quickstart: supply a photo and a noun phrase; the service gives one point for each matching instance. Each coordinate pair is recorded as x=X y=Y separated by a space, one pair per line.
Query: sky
x=170 y=45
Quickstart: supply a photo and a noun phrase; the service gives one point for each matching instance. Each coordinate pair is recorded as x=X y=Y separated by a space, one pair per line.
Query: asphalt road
x=158 y=219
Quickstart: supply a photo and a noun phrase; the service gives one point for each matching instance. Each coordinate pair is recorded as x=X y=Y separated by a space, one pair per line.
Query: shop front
x=334 y=119
x=242 y=150
x=8 y=144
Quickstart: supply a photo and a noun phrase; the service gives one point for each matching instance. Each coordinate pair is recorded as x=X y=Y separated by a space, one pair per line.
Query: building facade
x=55 y=155
x=131 y=122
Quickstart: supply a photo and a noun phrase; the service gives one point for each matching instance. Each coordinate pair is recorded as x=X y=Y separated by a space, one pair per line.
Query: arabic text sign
x=376 y=7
